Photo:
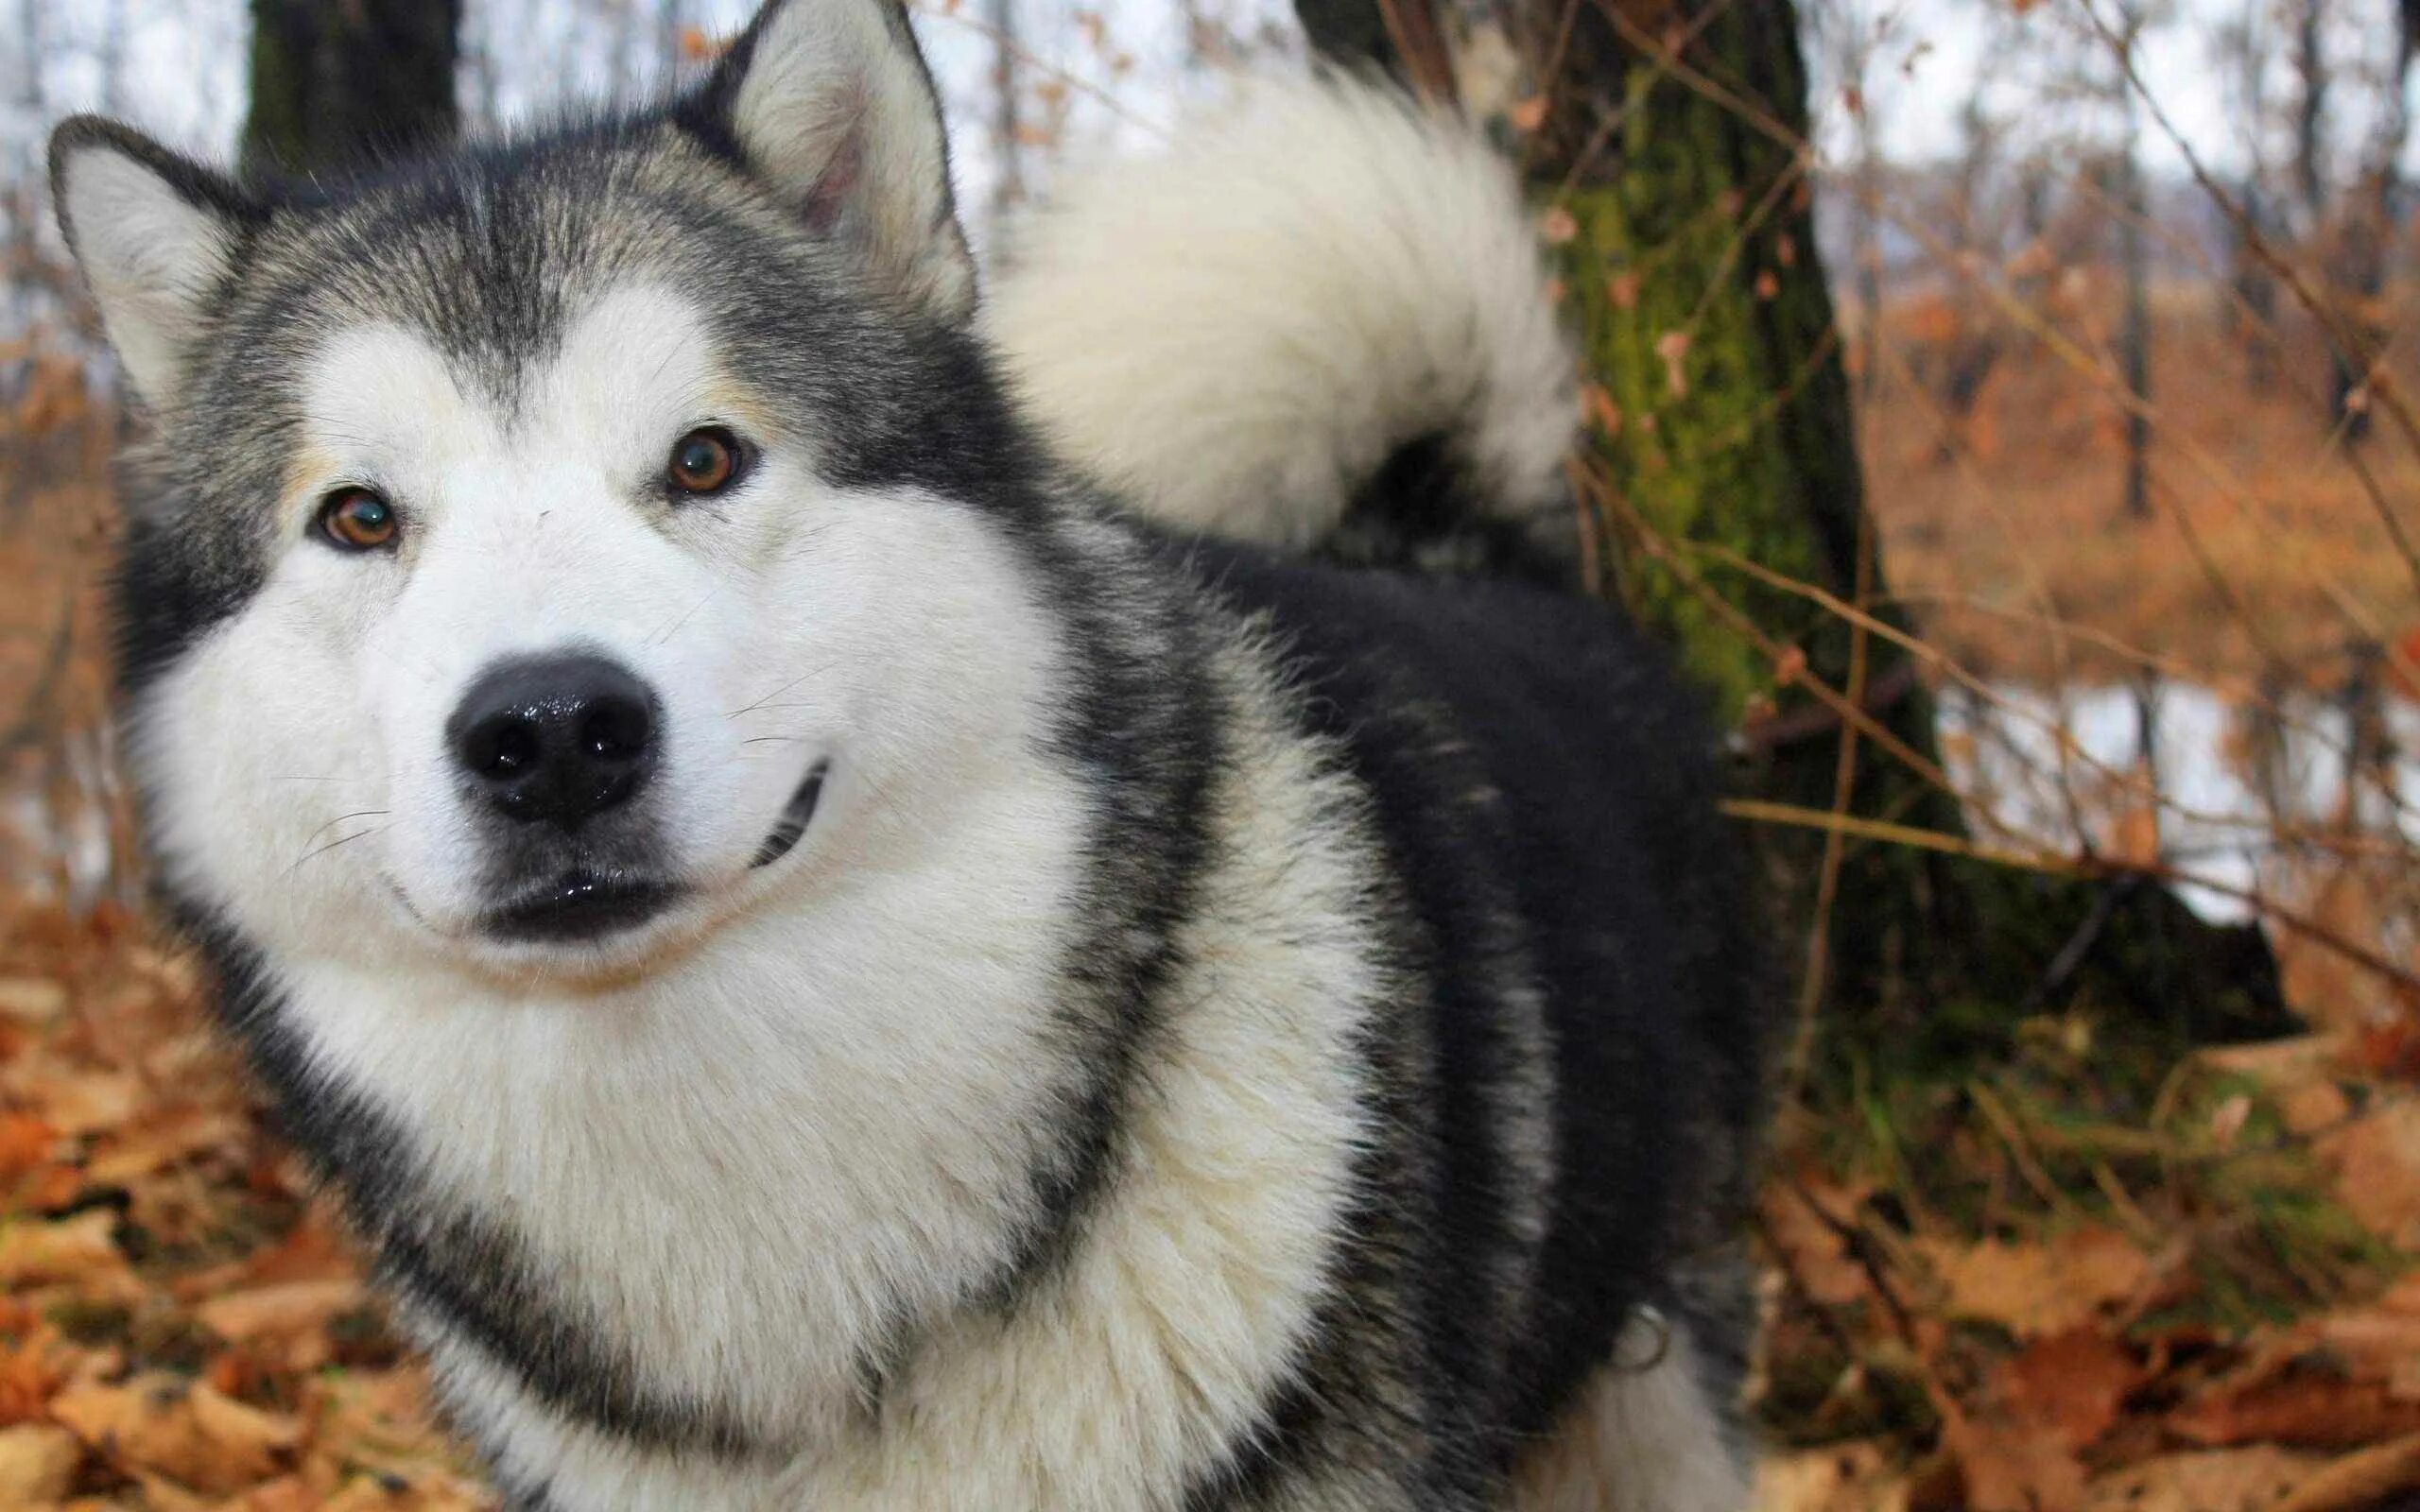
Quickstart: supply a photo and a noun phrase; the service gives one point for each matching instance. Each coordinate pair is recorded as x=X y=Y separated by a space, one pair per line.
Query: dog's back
x=1314 y=344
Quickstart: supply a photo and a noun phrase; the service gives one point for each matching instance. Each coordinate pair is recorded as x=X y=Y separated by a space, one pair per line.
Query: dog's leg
x=1653 y=1432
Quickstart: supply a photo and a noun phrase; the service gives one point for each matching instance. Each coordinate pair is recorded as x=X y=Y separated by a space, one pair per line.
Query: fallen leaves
x=2018 y=1331
x=179 y=1330
x=180 y=1429
x=2378 y=1163
x=81 y=1250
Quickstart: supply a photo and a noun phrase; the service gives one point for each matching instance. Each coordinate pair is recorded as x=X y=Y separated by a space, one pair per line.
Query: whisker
x=342 y=839
x=357 y=814
x=783 y=689
x=771 y=707
x=668 y=635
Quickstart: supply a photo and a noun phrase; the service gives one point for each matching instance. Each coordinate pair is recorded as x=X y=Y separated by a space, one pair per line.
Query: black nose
x=556 y=739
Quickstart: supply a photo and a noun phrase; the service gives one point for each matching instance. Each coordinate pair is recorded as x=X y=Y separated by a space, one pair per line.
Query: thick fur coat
x=877 y=906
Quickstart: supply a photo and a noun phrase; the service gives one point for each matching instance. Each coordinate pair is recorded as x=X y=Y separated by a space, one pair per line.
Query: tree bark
x=1693 y=282
x=340 y=84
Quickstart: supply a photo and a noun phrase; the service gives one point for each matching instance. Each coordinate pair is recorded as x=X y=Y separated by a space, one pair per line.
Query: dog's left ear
x=831 y=104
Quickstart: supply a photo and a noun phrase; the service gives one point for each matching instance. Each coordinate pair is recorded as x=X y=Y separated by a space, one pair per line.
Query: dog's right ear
x=154 y=235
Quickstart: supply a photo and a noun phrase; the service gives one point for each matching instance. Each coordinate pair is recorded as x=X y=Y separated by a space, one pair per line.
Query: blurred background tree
x=334 y=85
x=1668 y=142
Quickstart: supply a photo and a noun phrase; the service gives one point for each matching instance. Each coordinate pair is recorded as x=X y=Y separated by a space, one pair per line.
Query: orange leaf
x=82 y=1249
x=2011 y=1466
x=2301 y=1409
x=2035 y=1289
x=37 y=1463
x=185 y=1430
x=25 y=1141
x=2072 y=1384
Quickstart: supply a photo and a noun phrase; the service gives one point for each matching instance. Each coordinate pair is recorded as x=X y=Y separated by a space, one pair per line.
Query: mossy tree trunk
x=1678 y=196
x=339 y=83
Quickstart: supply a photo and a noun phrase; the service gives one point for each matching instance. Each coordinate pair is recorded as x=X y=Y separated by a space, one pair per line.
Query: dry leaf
x=169 y=1139
x=1814 y=1254
x=89 y=1102
x=2376 y=1161
x=2033 y=1290
x=32 y=1000
x=269 y=1311
x=81 y=1248
x=182 y=1430
x=2359 y=1480
x=2010 y=1466
x=2299 y=1409
x=2232 y=1479
x=2073 y=1383
x=1856 y=1477
x=2313 y=1108
x=25 y=1142
x=37 y=1463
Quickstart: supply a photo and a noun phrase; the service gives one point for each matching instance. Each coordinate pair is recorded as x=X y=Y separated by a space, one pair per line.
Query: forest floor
x=2045 y=1287
x=2099 y=1268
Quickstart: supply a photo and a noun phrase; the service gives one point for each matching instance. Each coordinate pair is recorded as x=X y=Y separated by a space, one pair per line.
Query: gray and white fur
x=1072 y=930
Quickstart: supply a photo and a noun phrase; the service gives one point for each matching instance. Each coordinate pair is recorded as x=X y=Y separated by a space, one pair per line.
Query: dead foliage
x=181 y=1327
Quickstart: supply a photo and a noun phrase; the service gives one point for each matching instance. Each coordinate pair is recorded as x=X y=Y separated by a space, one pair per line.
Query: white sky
x=182 y=77
x=1933 y=54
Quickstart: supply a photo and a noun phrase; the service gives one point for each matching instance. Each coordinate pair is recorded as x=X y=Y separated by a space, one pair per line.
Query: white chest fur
x=822 y=1125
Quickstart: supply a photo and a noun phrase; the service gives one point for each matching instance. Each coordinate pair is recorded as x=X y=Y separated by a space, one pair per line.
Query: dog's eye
x=707 y=460
x=358 y=520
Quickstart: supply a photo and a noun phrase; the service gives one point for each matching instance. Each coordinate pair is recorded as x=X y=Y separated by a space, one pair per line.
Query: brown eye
x=358 y=520
x=703 y=461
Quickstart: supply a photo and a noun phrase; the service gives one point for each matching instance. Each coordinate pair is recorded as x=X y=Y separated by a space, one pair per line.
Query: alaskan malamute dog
x=874 y=904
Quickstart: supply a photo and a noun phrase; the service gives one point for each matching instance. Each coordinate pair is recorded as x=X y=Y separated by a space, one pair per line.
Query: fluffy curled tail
x=1318 y=321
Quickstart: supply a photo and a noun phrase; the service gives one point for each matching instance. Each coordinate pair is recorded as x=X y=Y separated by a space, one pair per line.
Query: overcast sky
x=181 y=74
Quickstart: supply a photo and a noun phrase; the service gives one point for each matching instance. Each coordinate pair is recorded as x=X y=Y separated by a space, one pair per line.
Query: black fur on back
x=1545 y=790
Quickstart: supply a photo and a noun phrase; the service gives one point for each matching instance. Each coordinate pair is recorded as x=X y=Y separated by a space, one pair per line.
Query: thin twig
x=2093 y=867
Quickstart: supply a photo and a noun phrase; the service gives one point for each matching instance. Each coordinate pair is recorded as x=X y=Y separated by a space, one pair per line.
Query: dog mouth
x=795 y=816
x=581 y=905
x=587 y=904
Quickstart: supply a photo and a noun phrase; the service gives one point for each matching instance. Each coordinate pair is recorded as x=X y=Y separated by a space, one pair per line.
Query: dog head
x=545 y=543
